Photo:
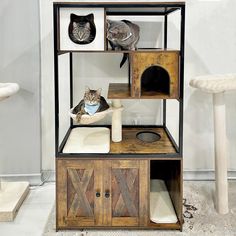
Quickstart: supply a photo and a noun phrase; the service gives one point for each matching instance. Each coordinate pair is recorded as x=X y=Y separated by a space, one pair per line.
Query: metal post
x=71 y=85
x=181 y=83
x=56 y=92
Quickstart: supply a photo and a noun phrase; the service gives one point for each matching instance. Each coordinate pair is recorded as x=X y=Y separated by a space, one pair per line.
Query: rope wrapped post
x=116 y=126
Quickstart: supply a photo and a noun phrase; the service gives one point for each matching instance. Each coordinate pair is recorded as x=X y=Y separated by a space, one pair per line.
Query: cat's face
x=81 y=31
x=92 y=97
x=116 y=31
x=82 y=28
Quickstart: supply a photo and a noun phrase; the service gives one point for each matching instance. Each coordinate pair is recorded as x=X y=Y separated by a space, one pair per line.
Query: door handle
x=98 y=194
x=107 y=194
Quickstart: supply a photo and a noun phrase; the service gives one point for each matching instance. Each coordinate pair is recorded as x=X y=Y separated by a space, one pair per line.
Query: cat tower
x=97 y=140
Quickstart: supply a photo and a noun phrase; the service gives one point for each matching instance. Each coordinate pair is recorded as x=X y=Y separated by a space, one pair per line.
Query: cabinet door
x=79 y=183
x=129 y=193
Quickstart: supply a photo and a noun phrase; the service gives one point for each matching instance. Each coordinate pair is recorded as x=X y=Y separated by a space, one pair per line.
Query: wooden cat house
x=154 y=74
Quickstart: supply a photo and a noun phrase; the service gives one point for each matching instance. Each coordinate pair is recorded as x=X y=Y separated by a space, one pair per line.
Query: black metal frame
x=169 y=7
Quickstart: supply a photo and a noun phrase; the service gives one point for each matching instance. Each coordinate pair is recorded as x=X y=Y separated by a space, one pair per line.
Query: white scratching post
x=116 y=126
x=12 y=194
x=217 y=85
x=220 y=153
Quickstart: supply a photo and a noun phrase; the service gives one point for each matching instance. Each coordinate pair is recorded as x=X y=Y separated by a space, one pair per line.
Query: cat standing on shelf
x=122 y=35
x=92 y=103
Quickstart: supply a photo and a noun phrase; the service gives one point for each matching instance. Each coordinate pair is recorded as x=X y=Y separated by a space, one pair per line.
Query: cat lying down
x=92 y=103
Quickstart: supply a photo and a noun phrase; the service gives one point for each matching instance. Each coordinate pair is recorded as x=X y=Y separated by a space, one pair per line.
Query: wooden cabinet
x=102 y=193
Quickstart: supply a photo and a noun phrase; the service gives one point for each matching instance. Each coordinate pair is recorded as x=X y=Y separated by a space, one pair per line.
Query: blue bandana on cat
x=91 y=109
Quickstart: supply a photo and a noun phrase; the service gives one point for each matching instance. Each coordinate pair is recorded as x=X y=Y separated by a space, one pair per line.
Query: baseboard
x=206 y=175
x=33 y=179
x=49 y=176
x=188 y=175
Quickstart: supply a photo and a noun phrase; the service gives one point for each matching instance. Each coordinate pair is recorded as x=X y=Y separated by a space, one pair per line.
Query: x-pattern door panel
x=128 y=183
x=76 y=187
x=80 y=192
x=102 y=193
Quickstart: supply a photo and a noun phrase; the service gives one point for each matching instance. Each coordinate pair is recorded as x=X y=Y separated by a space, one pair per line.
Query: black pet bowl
x=148 y=136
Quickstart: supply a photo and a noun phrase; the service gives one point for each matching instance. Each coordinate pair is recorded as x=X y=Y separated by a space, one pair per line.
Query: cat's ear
x=108 y=23
x=87 y=89
x=73 y=17
x=90 y=17
x=99 y=91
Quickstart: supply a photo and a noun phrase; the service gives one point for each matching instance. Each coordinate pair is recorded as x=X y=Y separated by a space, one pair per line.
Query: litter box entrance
x=148 y=136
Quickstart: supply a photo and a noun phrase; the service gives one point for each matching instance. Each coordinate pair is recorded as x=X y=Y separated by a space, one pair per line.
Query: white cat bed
x=161 y=208
x=89 y=119
x=88 y=140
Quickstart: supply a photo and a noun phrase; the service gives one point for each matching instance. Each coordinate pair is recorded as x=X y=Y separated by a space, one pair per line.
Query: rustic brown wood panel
x=119 y=91
x=125 y=221
x=130 y=144
x=98 y=188
x=128 y=178
x=144 y=192
x=125 y=163
x=80 y=189
x=125 y=186
x=79 y=221
x=174 y=185
x=75 y=191
x=61 y=203
x=142 y=60
x=123 y=91
x=107 y=212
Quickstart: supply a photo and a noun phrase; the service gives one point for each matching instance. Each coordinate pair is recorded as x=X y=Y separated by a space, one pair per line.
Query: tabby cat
x=82 y=29
x=122 y=35
x=92 y=103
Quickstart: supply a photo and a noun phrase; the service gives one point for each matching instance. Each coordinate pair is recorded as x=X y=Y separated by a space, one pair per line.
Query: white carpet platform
x=161 y=207
x=88 y=140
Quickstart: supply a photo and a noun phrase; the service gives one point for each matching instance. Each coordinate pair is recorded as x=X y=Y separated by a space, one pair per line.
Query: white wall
x=20 y=150
x=210 y=48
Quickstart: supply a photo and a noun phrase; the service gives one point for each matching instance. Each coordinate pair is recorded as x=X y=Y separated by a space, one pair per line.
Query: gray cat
x=82 y=29
x=92 y=103
x=122 y=35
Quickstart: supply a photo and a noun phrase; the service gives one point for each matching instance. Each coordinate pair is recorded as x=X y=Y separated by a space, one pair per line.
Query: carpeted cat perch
x=116 y=126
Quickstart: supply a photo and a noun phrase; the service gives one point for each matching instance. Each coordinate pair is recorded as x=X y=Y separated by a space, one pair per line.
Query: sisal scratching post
x=116 y=126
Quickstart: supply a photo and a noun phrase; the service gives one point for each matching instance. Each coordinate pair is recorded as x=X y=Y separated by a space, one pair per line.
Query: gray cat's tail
x=124 y=59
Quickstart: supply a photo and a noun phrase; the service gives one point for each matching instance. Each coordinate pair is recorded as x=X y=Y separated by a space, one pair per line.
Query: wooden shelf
x=154 y=95
x=130 y=144
x=139 y=50
x=119 y=91
x=122 y=91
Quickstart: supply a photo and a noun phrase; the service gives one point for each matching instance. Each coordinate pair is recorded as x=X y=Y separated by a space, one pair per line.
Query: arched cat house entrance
x=155 y=80
x=155 y=74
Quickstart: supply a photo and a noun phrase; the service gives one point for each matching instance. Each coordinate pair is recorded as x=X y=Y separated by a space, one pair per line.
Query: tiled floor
x=33 y=214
